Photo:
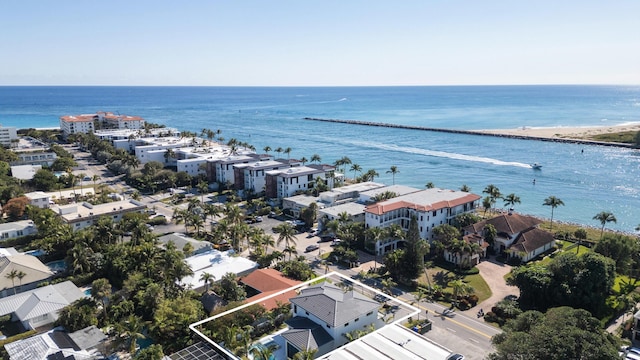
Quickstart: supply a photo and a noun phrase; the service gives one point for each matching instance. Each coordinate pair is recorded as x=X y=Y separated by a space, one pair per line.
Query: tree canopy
x=561 y=333
x=582 y=281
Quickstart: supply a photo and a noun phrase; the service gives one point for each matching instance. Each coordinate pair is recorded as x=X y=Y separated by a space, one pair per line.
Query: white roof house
x=39 y=199
x=80 y=216
x=391 y=342
x=216 y=263
x=348 y=192
x=38 y=307
x=16 y=229
x=58 y=344
x=24 y=172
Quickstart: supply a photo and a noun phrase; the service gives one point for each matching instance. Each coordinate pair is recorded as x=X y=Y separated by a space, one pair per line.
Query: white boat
x=536 y=166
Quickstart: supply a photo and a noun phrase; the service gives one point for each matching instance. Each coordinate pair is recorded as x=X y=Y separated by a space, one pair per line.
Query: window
x=369 y=313
x=346 y=324
x=356 y=319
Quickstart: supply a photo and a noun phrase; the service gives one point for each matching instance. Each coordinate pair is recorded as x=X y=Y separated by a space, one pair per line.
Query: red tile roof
x=265 y=280
x=268 y=282
x=393 y=204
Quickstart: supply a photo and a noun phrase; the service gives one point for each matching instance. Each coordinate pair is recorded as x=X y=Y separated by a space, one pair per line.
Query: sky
x=319 y=42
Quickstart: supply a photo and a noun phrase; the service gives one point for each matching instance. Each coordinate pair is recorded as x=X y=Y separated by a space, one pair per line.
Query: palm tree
x=430 y=185
x=304 y=160
x=100 y=291
x=604 y=217
x=95 y=178
x=290 y=250
x=13 y=274
x=355 y=168
x=465 y=188
x=460 y=288
x=286 y=232
x=208 y=279
x=21 y=274
x=169 y=154
x=266 y=149
x=279 y=150
x=131 y=328
x=203 y=188
x=287 y=151
x=393 y=171
x=315 y=158
x=370 y=175
x=493 y=192
x=511 y=199
x=554 y=202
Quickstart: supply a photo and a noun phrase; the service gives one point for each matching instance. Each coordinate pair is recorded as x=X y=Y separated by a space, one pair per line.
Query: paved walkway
x=493 y=273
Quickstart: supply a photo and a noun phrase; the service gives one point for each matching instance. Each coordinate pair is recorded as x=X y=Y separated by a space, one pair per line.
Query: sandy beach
x=564 y=132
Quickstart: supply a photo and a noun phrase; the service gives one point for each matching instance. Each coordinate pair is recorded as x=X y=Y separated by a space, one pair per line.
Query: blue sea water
x=598 y=179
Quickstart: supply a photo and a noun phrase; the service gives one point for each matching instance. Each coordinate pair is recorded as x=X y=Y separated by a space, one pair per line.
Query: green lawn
x=442 y=277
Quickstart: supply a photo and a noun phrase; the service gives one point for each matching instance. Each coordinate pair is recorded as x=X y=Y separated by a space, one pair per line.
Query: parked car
x=336 y=242
x=311 y=248
x=259 y=218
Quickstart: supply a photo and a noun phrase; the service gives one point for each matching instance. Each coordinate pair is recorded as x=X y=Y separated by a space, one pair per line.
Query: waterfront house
x=431 y=207
x=517 y=235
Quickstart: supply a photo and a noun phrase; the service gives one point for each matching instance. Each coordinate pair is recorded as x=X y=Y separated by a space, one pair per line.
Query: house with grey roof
x=38 y=307
x=322 y=316
x=58 y=344
x=16 y=229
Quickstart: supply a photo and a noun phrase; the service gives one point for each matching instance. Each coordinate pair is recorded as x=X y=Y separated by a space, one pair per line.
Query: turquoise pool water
x=57 y=266
x=87 y=292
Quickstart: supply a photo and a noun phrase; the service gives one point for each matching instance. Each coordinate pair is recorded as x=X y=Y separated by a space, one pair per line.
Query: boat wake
x=443 y=154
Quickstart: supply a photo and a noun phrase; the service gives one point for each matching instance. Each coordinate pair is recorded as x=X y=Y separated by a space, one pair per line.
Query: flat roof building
x=82 y=215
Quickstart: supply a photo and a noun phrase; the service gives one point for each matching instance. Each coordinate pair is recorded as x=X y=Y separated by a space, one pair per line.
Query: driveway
x=493 y=273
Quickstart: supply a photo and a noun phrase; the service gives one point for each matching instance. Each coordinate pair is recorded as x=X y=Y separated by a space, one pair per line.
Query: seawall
x=473 y=132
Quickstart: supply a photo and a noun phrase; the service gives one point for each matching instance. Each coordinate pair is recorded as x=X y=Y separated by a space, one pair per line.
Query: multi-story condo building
x=77 y=124
x=8 y=136
x=86 y=123
x=285 y=183
x=431 y=207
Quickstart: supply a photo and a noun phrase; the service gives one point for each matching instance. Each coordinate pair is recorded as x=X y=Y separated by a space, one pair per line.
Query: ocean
x=588 y=179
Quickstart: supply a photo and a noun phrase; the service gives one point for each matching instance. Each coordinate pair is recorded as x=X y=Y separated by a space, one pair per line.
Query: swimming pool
x=57 y=266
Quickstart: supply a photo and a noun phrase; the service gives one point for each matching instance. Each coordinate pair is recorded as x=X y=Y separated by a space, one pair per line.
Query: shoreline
x=569 y=135
x=562 y=132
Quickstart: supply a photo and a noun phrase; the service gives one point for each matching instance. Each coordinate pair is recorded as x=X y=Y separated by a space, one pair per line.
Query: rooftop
x=391 y=342
x=333 y=305
x=398 y=189
x=216 y=263
x=73 y=212
x=424 y=200
x=350 y=208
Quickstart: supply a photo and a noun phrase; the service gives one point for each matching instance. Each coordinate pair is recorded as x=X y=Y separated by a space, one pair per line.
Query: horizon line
x=332 y=86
